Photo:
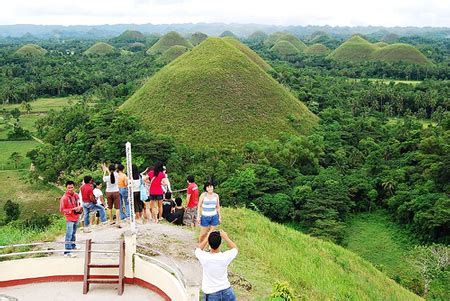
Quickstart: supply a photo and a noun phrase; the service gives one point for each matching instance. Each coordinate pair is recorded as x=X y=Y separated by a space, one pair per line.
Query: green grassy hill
x=354 y=49
x=197 y=38
x=215 y=95
x=294 y=41
x=31 y=50
x=381 y=44
x=273 y=38
x=317 y=49
x=315 y=269
x=400 y=52
x=258 y=36
x=131 y=36
x=228 y=33
x=283 y=49
x=100 y=48
x=390 y=38
x=172 y=53
x=168 y=40
x=249 y=53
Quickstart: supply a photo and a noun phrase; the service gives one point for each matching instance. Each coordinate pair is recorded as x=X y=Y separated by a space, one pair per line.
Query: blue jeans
x=124 y=203
x=87 y=207
x=71 y=230
x=206 y=221
x=223 y=295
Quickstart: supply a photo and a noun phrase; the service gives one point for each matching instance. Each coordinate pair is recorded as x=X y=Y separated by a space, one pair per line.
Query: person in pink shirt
x=156 y=179
x=70 y=207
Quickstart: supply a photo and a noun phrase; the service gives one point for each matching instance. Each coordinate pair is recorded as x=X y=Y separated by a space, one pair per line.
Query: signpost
x=130 y=187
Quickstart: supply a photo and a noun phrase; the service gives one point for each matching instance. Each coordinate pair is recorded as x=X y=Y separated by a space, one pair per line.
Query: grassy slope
x=294 y=41
x=400 y=52
x=168 y=40
x=284 y=48
x=354 y=49
x=249 y=53
x=172 y=53
x=317 y=49
x=39 y=197
x=44 y=104
x=9 y=147
x=197 y=38
x=100 y=48
x=273 y=38
x=131 y=35
x=317 y=270
x=215 y=95
x=31 y=49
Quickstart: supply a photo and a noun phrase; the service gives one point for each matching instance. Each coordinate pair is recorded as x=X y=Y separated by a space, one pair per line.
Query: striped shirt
x=209 y=206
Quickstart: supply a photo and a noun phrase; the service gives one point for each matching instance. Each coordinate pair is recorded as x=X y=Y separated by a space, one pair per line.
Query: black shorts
x=138 y=204
x=156 y=197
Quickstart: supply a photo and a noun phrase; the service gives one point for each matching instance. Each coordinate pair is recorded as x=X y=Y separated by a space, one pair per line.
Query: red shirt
x=156 y=186
x=193 y=191
x=87 y=193
x=67 y=202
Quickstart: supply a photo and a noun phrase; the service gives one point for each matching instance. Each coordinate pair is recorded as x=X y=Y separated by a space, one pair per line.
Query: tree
x=12 y=211
x=15 y=113
x=26 y=106
x=15 y=158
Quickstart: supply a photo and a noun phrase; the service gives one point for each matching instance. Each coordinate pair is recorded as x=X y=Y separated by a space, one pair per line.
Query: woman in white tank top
x=208 y=210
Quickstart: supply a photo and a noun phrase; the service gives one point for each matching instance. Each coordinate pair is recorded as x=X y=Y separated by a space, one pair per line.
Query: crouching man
x=70 y=207
x=215 y=283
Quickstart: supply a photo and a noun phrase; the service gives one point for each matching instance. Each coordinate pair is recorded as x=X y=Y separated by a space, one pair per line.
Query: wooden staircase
x=108 y=279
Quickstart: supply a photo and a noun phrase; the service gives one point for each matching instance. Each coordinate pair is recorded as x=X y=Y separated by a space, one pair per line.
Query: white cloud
x=281 y=12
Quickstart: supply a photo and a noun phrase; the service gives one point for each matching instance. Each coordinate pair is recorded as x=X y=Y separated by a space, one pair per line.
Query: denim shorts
x=206 y=221
x=223 y=295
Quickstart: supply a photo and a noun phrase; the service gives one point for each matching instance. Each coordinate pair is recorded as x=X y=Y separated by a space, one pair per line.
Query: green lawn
x=46 y=104
x=32 y=197
x=22 y=147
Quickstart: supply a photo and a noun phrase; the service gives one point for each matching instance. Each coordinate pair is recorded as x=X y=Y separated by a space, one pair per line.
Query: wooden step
x=107 y=281
x=103 y=277
x=103 y=265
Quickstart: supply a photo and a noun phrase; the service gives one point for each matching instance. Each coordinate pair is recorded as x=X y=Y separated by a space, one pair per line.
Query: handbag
x=143 y=191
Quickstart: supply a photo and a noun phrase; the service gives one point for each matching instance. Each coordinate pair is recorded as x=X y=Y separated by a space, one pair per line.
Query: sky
x=387 y=13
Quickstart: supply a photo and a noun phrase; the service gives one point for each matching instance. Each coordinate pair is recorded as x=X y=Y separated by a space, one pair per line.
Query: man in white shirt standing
x=215 y=283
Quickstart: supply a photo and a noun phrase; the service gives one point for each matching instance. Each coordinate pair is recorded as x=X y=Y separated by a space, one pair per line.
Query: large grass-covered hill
x=400 y=52
x=31 y=50
x=172 y=53
x=131 y=36
x=100 y=48
x=317 y=49
x=315 y=269
x=282 y=36
x=355 y=49
x=168 y=40
x=258 y=36
x=249 y=53
x=216 y=95
x=284 y=49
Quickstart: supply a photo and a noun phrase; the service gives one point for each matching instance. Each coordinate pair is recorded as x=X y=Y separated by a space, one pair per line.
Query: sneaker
x=70 y=255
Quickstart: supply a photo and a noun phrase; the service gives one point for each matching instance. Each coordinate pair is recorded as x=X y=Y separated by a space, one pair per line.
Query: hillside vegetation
x=197 y=38
x=172 y=53
x=215 y=95
x=31 y=49
x=100 y=48
x=317 y=49
x=354 y=49
x=253 y=56
x=400 y=52
x=315 y=269
x=131 y=36
x=168 y=40
x=284 y=49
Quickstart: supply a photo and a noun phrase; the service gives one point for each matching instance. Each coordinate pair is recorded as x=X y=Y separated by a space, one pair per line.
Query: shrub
x=12 y=211
x=282 y=291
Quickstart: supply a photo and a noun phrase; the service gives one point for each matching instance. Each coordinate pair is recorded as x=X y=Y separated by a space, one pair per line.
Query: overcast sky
x=278 y=12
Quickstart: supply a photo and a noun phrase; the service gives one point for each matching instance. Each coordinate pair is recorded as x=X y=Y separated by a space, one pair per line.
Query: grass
x=100 y=48
x=32 y=197
x=44 y=105
x=31 y=49
x=168 y=40
x=400 y=52
x=172 y=53
x=317 y=49
x=258 y=36
x=294 y=41
x=249 y=53
x=9 y=147
x=354 y=49
x=228 y=33
x=273 y=38
x=230 y=98
x=315 y=269
x=197 y=38
x=131 y=35
x=284 y=49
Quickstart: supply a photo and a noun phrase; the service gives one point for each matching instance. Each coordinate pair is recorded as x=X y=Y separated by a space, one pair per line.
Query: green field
x=22 y=147
x=43 y=105
x=315 y=269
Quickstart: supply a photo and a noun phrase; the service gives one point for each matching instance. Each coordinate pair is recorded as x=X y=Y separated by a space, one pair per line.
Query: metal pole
x=130 y=187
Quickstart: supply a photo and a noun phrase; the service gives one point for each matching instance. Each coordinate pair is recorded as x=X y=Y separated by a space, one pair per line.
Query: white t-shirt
x=112 y=187
x=136 y=185
x=215 y=269
x=98 y=193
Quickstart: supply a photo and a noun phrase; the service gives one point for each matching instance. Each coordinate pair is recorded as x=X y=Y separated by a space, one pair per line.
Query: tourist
x=215 y=283
x=176 y=214
x=144 y=196
x=71 y=209
x=190 y=214
x=156 y=195
x=168 y=205
x=123 y=190
x=98 y=194
x=110 y=177
x=90 y=203
x=208 y=210
x=138 y=204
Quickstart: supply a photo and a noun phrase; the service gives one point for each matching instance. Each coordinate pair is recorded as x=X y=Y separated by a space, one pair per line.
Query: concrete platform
x=73 y=291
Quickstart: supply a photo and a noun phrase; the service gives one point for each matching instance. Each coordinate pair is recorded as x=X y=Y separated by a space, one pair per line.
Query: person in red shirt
x=190 y=214
x=90 y=203
x=156 y=179
x=70 y=207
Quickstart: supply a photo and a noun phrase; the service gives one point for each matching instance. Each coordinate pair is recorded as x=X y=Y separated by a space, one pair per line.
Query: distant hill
x=258 y=36
x=315 y=269
x=317 y=49
x=31 y=50
x=168 y=40
x=130 y=36
x=197 y=38
x=282 y=36
x=354 y=49
x=228 y=33
x=284 y=49
x=100 y=48
x=400 y=52
x=215 y=95
x=390 y=38
x=381 y=44
x=172 y=53
x=273 y=38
